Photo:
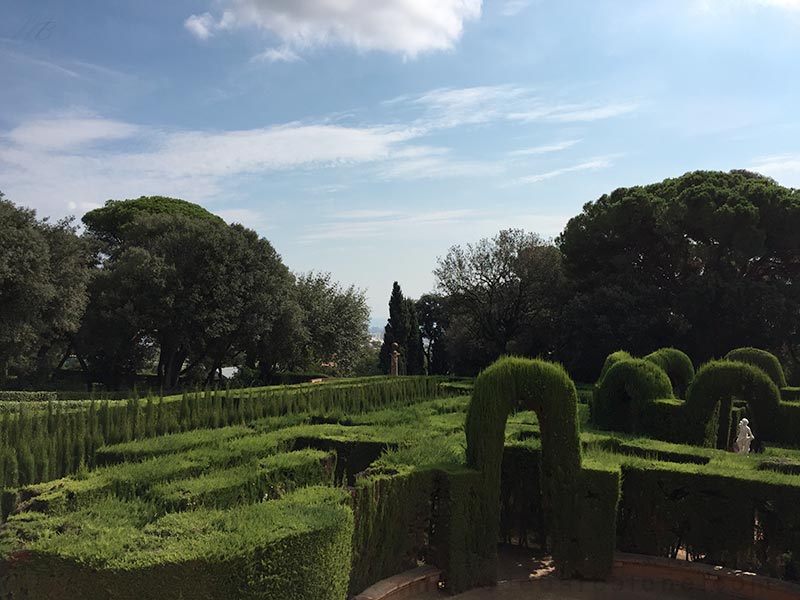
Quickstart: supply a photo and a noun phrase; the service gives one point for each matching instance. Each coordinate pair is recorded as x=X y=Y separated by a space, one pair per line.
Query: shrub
x=678 y=367
x=295 y=548
x=623 y=394
x=514 y=383
x=710 y=400
x=611 y=360
x=766 y=361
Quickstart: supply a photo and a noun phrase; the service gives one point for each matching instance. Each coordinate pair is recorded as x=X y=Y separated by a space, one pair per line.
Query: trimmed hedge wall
x=790 y=394
x=295 y=548
x=766 y=361
x=623 y=394
x=726 y=520
x=678 y=367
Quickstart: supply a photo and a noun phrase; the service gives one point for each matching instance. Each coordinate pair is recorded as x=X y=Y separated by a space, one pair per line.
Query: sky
x=365 y=138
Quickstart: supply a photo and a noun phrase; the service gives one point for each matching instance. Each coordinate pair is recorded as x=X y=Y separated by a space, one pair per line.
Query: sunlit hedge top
x=766 y=361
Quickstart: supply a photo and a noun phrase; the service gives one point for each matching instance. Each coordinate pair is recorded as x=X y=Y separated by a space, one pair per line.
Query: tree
x=197 y=289
x=705 y=262
x=335 y=320
x=43 y=276
x=394 y=332
x=415 y=355
x=504 y=294
x=433 y=317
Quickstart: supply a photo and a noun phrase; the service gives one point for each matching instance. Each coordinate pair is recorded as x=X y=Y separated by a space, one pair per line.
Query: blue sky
x=365 y=138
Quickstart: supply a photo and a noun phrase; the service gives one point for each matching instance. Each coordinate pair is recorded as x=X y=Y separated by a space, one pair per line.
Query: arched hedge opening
x=766 y=361
x=678 y=367
x=710 y=398
x=579 y=504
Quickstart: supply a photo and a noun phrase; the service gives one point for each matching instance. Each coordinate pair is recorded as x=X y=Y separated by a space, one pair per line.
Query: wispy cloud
x=406 y=27
x=514 y=7
x=67 y=131
x=424 y=162
x=453 y=107
x=379 y=224
x=544 y=149
x=281 y=54
x=784 y=168
x=589 y=165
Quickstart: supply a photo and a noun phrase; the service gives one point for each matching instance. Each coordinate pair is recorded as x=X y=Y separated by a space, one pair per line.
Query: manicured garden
x=318 y=491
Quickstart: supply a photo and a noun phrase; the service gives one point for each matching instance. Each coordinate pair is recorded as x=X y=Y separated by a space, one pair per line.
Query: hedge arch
x=710 y=397
x=766 y=361
x=517 y=383
x=678 y=367
x=622 y=395
x=611 y=360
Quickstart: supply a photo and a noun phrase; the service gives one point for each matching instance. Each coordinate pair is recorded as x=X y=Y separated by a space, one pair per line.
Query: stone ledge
x=698 y=576
x=413 y=582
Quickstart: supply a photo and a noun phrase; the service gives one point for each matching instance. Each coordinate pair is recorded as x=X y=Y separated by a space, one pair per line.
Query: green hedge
x=713 y=517
x=678 y=367
x=269 y=478
x=393 y=515
x=14 y=396
x=517 y=383
x=790 y=394
x=710 y=400
x=611 y=360
x=623 y=394
x=766 y=361
x=295 y=548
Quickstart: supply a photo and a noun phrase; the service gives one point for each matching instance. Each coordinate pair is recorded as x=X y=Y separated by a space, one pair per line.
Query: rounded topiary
x=678 y=367
x=624 y=390
x=710 y=397
x=766 y=361
x=611 y=360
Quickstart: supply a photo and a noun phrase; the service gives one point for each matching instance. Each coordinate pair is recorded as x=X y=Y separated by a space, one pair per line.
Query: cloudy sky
x=366 y=137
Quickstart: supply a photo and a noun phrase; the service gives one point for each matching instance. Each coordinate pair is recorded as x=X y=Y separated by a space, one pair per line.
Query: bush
x=766 y=361
x=678 y=367
x=790 y=394
x=624 y=393
x=295 y=548
x=611 y=360
x=710 y=400
x=516 y=383
x=14 y=396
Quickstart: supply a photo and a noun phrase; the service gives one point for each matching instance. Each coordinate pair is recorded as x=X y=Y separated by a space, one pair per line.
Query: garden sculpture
x=744 y=437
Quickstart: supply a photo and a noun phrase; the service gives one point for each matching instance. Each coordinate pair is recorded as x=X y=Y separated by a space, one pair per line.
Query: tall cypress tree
x=415 y=356
x=395 y=331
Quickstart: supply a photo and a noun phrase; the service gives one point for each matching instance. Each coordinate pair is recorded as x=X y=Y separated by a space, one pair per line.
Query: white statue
x=744 y=437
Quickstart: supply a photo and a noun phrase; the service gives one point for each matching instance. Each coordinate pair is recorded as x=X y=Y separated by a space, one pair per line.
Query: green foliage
x=762 y=359
x=678 y=367
x=611 y=360
x=701 y=261
x=509 y=384
x=297 y=548
x=625 y=391
x=402 y=329
x=13 y=396
x=504 y=296
x=710 y=397
x=790 y=394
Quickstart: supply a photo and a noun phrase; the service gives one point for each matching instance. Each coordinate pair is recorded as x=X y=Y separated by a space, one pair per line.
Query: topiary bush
x=678 y=367
x=710 y=398
x=624 y=391
x=766 y=361
x=517 y=383
x=611 y=360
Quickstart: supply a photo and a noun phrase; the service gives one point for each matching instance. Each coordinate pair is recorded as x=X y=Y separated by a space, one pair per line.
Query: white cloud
x=49 y=163
x=784 y=168
x=200 y=26
x=544 y=149
x=282 y=54
x=590 y=165
x=406 y=27
x=387 y=224
x=423 y=162
x=61 y=133
x=452 y=107
x=513 y=7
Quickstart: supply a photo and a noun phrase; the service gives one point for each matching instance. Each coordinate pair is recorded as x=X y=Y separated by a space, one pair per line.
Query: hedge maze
x=318 y=491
